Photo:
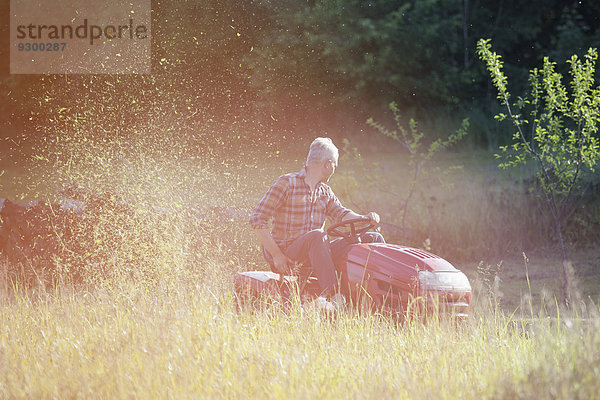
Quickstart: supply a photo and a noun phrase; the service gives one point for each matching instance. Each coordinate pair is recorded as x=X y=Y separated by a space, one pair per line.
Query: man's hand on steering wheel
x=356 y=224
x=374 y=217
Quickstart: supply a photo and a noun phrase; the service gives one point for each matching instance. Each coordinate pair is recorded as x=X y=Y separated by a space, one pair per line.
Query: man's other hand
x=282 y=264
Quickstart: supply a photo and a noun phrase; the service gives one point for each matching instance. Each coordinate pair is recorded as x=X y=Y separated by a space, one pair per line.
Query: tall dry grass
x=188 y=341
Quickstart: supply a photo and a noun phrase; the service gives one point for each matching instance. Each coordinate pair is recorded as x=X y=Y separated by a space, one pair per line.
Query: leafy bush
x=557 y=132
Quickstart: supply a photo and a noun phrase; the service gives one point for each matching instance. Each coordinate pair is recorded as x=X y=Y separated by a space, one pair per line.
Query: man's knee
x=317 y=236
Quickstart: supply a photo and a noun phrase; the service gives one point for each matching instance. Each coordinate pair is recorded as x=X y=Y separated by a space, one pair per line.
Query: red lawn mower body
x=387 y=278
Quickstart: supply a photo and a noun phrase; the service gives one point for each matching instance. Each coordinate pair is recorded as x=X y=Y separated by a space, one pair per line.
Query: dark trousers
x=314 y=249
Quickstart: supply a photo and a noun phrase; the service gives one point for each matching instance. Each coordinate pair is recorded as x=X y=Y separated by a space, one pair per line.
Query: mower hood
x=385 y=257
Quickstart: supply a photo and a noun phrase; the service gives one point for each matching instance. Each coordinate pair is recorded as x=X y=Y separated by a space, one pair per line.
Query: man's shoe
x=322 y=304
x=338 y=301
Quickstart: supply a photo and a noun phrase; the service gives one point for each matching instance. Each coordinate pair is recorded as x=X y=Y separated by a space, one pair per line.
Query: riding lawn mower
x=384 y=278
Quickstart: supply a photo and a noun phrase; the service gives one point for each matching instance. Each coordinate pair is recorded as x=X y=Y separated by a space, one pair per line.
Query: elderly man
x=298 y=204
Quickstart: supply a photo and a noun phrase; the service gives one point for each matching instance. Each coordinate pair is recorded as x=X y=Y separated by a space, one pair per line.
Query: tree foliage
x=335 y=60
x=419 y=54
x=355 y=51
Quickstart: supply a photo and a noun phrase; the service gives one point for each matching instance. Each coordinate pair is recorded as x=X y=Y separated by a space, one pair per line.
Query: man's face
x=329 y=167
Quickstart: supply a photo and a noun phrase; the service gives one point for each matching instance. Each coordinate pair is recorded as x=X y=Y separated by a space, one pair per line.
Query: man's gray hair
x=321 y=150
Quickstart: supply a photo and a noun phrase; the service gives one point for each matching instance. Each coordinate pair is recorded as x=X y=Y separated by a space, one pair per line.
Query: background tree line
x=308 y=67
x=421 y=54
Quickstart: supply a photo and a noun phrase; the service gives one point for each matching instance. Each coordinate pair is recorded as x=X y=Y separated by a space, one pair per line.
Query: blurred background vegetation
x=312 y=67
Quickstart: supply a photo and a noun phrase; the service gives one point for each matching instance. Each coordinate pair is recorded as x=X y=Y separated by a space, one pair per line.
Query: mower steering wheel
x=354 y=232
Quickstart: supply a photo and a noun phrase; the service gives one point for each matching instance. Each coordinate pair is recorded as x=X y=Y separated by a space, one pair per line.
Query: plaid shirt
x=295 y=209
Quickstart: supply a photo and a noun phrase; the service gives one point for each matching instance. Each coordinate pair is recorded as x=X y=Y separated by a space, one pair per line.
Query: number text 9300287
x=27 y=46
